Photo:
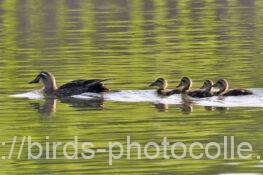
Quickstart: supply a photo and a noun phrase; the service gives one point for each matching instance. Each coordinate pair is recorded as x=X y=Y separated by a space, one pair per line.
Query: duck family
x=76 y=87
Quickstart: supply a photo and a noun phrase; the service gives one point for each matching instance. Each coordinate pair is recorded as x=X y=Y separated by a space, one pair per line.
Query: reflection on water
x=49 y=105
x=47 y=108
x=131 y=42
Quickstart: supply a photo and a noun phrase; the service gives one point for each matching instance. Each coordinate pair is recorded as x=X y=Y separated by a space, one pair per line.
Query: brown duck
x=224 y=90
x=75 y=87
x=186 y=84
x=208 y=87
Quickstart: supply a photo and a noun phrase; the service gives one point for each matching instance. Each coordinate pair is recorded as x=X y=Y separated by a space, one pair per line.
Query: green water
x=131 y=42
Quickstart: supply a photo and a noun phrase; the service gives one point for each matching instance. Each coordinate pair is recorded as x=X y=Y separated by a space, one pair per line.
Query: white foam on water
x=255 y=100
x=88 y=96
x=141 y=96
x=33 y=95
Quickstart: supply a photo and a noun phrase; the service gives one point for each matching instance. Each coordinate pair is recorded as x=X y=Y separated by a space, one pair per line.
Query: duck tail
x=97 y=86
x=103 y=87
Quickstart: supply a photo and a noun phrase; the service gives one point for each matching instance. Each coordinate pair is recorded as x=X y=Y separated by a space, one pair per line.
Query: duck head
x=161 y=83
x=48 y=80
x=185 y=84
x=222 y=85
x=208 y=85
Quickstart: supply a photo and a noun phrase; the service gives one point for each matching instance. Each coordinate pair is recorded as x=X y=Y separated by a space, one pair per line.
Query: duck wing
x=238 y=92
x=77 y=87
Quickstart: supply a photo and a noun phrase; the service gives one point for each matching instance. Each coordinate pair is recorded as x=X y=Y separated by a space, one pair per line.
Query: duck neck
x=209 y=89
x=50 y=86
x=160 y=91
x=186 y=88
x=223 y=90
x=162 y=88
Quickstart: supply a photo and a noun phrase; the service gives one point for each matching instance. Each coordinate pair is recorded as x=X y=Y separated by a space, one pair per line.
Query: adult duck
x=75 y=87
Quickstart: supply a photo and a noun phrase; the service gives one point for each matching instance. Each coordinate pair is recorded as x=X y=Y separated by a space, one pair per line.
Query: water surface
x=133 y=43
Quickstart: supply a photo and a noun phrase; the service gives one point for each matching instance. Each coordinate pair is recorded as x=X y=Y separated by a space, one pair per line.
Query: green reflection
x=132 y=42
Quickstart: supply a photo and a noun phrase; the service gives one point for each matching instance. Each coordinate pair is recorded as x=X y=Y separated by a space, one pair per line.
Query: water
x=133 y=43
x=255 y=100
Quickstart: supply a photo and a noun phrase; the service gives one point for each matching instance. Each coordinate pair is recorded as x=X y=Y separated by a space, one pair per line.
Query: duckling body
x=174 y=91
x=237 y=92
x=199 y=94
x=167 y=92
x=223 y=86
x=162 y=85
x=186 y=84
x=75 y=87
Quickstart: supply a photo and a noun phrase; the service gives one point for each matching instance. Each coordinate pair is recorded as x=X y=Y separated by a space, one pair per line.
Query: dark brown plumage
x=75 y=87
x=186 y=84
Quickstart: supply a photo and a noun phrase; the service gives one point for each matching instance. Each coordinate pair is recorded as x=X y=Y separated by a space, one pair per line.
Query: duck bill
x=152 y=84
x=179 y=85
x=36 y=80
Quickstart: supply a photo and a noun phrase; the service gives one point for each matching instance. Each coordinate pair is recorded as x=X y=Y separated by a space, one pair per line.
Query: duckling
x=186 y=84
x=75 y=87
x=162 y=84
x=208 y=87
x=223 y=86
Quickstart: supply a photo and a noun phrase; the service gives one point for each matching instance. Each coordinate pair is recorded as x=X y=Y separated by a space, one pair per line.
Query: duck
x=208 y=87
x=224 y=90
x=74 y=87
x=162 y=85
x=186 y=84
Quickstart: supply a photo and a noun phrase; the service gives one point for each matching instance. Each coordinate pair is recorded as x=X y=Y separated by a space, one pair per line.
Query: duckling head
x=221 y=84
x=208 y=85
x=48 y=80
x=185 y=83
x=161 y=83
